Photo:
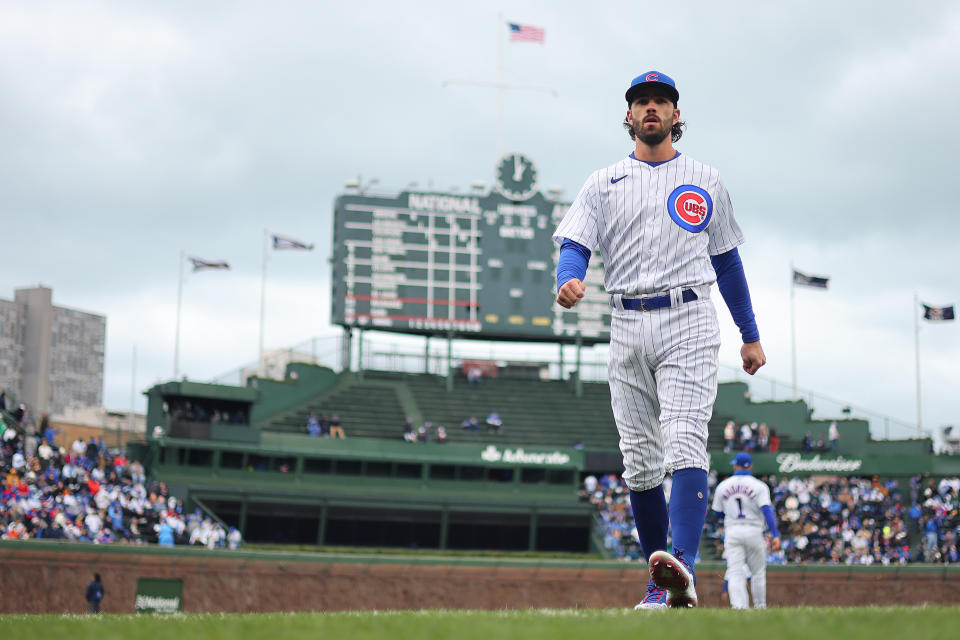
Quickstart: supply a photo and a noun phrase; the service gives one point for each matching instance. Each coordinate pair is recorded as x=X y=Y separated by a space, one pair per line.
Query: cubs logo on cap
x=653 y=79
x=690 y=207
x=742 y=459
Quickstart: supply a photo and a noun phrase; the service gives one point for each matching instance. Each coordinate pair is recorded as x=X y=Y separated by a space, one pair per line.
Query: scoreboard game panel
x=480 y=266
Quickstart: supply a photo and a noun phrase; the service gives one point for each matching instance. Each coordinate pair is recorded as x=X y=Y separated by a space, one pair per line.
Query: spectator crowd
x=425 y=433
x=822 y=519
x=936 y=507
x=838 y=520
x=750 y=436
x=610 y=496
x=89 y=492
x=429 y=432
x=324 y=426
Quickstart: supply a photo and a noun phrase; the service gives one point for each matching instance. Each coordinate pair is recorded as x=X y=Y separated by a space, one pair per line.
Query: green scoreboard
x=476 y=265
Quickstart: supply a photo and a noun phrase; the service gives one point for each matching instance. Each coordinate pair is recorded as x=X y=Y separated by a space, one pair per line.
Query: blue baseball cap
x=742 y=459
x=653 y=79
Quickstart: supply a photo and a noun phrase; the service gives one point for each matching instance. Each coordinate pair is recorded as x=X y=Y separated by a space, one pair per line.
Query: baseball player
x=665 y=227
x=744 y=503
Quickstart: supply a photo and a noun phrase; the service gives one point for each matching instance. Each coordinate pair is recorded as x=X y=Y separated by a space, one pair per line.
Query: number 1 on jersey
x=740 y=507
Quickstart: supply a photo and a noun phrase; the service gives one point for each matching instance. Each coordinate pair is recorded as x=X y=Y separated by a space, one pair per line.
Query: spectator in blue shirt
x=165 y=535
x=313 y=425
x=49 y=434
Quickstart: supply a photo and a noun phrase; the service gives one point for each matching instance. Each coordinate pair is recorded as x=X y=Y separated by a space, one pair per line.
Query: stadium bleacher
x=366 y=410
x=534 y=412
x=87 y=492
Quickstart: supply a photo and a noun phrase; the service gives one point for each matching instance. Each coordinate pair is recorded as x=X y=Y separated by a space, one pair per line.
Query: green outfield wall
x=293 y=488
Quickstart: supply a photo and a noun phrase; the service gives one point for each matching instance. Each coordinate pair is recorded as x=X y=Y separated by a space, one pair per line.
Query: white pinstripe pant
x=663 y=382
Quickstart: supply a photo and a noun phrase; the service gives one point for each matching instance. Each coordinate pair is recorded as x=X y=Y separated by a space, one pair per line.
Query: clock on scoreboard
x=516 y=177
x=477 y=265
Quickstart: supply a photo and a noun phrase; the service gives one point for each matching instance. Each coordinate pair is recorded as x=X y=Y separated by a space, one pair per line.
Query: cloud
x=219 y=325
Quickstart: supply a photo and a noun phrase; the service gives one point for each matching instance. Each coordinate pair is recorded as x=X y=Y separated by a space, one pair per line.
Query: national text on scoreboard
x=477 y=266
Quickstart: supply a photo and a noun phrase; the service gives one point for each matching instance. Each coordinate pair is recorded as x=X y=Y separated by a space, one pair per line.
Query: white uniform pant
x=662 y=370
x=745 y=548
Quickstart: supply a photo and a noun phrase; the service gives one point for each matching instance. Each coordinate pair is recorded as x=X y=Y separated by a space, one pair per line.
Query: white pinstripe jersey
x=740 y=498
x=624 y=210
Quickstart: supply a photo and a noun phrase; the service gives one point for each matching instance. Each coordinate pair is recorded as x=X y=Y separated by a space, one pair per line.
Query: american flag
x=201 y=265
x=280 y=243
x=525 y=33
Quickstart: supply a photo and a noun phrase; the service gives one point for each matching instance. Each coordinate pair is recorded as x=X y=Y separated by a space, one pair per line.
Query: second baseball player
x=744 y=503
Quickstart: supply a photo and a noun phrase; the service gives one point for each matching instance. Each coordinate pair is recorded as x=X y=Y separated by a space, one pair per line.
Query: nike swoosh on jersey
x=616 y=180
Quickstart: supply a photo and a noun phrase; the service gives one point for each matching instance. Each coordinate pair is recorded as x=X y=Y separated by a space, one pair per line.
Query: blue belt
x=656 y=302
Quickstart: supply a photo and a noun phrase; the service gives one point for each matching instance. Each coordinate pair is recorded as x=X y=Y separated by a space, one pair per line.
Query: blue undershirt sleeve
x=733 y=287
x=719 y=514
x=573 y=261
x=771 y=520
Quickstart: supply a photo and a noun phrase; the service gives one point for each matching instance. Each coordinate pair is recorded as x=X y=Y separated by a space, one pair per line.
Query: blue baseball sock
x=688 y=511
x=650 y=516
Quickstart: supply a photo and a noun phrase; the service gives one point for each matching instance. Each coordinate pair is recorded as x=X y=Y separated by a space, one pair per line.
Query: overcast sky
x=131 y=131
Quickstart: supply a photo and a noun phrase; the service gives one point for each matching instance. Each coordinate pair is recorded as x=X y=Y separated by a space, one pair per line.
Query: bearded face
x=652 y=118
x=652 y=131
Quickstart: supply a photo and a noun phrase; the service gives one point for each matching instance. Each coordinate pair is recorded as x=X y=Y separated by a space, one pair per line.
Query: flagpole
x=176 y=340
x=916 y=347
x=133 y=387
x=793 y=332
x=263 y=300
x=500 y=24
x=500 y=85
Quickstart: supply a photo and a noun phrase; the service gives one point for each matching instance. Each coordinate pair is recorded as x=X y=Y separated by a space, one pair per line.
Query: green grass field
x=610 y=624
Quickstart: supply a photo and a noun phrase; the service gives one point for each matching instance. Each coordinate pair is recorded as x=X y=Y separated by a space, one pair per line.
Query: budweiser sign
x=795 y=463
x=492 y=454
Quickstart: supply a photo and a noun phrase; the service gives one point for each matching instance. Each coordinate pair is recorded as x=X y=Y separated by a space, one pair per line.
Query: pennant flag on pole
x=526 y=33
x=203 y=265
x=814 y=282
x=280 y=243
x=938 y=314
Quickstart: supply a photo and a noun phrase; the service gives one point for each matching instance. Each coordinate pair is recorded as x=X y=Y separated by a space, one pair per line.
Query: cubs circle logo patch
x=690 y=207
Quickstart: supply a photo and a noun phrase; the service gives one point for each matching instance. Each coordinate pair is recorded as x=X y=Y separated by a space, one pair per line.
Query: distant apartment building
x=51 y=358
x=273 y=365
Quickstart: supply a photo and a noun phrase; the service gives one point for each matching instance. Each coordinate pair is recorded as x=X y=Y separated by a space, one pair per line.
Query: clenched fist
x=570 y=293
x=753 y=357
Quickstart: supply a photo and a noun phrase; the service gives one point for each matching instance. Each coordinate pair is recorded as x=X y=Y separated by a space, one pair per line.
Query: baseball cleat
x=656 y=598
x=674 y=575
